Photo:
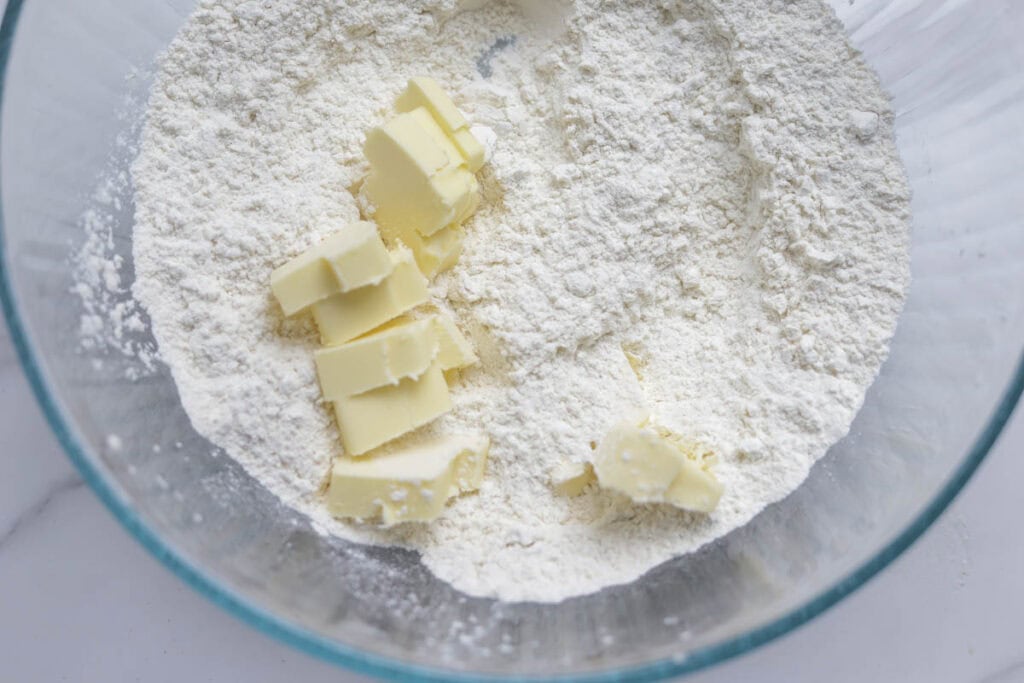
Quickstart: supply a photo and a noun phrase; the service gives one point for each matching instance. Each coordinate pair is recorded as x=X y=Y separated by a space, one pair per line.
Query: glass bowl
x=956 y=72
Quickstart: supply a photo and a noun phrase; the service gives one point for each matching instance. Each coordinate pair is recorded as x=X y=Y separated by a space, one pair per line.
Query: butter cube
x=651 y=467
x=428 y=125
x=377 y=416
x=425 y=92
x=436 y=253
x=571 y=478
x=394 y=353
x=454 y=350
x=352 y=258
x=472 y=150
x=409 y=484
x=459 y=190
x=345 y=316
x=417 y=182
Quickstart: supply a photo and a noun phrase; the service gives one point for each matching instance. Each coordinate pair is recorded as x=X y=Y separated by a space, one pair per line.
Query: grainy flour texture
x=709 y=188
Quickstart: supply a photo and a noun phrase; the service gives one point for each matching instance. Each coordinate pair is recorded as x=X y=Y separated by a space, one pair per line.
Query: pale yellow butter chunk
x=454 y=350
x=571 y=478
x=410 y=484
x=428 y=125
x=423 y=91
x=343 y=317
x=351 y=258
x=436 y=253
x=458 y=189
x=415 y=184
x=651 y=467
x=427 y=93
x=377 y=416
x=472 y=150
x=403 y=351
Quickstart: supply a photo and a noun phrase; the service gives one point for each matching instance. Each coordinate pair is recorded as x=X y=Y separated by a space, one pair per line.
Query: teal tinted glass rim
x=375 y=665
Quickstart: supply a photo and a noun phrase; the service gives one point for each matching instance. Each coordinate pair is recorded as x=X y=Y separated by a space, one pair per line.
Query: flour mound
x=711 y=186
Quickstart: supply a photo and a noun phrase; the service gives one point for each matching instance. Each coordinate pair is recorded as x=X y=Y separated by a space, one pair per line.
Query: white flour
x=711 y=185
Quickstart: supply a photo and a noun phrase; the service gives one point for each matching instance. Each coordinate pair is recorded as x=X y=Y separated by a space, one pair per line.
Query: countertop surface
x=80 y=600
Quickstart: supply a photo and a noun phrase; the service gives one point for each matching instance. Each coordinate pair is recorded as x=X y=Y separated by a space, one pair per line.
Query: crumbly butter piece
x=425 y=92
x=429 y=126
x=410 y=484
x=650 y=466
x=454 y=350
x=571 y=478
x=374 y=417
x=472 y=149
x=343 y=317
x=383 y=358
x=436 y=253
x=414 y=181
x=351 y=258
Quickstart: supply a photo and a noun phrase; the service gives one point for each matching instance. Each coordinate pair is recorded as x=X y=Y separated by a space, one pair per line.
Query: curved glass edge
x=370 y=664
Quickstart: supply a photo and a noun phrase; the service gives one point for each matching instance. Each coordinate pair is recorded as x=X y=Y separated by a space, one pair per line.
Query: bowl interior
x=75 y=76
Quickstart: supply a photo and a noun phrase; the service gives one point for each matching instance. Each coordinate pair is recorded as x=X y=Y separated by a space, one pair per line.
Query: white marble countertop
x=80 y=600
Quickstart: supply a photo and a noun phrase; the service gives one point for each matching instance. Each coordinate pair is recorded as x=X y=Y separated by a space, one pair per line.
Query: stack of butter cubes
x=422 y=183
x=384 y=366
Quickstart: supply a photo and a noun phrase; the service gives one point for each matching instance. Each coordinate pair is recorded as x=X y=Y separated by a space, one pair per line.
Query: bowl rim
x=376 y=665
